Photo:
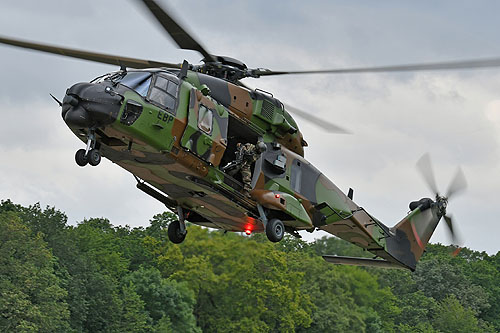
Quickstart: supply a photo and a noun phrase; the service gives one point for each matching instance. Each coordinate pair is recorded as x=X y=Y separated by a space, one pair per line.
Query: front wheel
x=94 y=157
x=80 y=158
x=174 y=232
x=275 y=230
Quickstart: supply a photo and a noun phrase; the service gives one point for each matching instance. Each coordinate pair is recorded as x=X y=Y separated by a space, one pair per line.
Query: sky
x=395 y=118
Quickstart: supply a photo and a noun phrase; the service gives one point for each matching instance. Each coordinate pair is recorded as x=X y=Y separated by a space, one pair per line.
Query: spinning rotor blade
x=331 y=128
x=465 y=64
x=449 y=223
x=454 y=238
x=183 y=39
x=458 y=184
x=425 y=167
x=92 y=56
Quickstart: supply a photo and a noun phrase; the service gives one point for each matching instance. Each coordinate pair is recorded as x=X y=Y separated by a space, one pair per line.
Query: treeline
x=95 y=277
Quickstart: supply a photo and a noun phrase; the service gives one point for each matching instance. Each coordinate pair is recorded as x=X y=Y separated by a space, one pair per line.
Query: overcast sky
x=395 y=118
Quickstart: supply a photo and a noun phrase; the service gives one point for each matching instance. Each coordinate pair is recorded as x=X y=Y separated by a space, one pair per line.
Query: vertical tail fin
x=416 y=229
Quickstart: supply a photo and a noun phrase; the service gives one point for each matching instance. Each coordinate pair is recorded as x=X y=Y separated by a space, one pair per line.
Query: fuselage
x=177 y=131
x=176 y=134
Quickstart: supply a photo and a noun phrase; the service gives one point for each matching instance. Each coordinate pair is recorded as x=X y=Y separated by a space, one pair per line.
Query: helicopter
x=175 y=127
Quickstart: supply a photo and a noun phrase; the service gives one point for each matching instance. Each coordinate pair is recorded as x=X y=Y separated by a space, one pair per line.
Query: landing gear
x=94 y=157
x=174 y=232
x=177 y=229
x=80 y=158
x=275 y=230
x=90 y=155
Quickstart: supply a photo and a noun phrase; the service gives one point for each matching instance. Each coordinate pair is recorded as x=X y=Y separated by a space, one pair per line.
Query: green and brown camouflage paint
x=179 y=152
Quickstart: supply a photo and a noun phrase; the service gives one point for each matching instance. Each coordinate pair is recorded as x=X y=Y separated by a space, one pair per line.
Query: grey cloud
x=395 y=117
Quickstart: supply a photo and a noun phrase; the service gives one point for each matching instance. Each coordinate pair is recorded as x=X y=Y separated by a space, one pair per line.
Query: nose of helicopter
x=87 y=105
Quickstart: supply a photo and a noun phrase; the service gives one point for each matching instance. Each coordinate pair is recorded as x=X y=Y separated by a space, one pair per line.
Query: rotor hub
x=442 y=203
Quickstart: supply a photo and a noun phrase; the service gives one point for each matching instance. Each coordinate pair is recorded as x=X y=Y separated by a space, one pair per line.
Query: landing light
x=248 y=231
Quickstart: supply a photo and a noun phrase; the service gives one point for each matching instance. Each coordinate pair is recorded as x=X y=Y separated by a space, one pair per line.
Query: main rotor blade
x=332 y=128
x=92 y=56
x=458 y=184
x=425 y=167
x=436 y=66
x=183 y=39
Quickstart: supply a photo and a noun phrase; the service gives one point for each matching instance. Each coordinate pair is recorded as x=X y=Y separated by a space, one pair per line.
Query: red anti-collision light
x=248 y=231
x=277 y=196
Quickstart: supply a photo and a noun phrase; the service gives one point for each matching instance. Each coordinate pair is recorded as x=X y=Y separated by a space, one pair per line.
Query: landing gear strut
x=177 y=229
x=89 y=155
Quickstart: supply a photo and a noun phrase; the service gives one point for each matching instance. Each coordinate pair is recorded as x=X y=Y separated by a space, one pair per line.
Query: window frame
x=212 y=111
x=153 y=86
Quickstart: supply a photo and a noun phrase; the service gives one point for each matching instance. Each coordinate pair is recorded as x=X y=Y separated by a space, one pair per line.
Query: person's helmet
x=261 y=147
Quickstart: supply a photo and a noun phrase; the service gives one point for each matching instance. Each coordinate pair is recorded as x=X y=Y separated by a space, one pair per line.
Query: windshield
x=138 y=81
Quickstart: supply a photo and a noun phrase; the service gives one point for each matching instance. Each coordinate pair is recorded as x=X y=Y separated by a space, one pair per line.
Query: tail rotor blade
x=454 y=237
x=425 y=167
x=458 y=184
x=449 y=223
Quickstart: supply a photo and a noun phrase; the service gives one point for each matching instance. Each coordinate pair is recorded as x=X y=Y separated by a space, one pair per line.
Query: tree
x=96 y=277
x=239 y=284
x=439 y=278
x=452 y=317
x=165 y=301
x=333 y=308
x=133 y=317
x=32 y=297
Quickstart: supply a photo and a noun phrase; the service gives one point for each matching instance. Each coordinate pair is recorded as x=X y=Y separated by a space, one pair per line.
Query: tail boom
x=399 y=247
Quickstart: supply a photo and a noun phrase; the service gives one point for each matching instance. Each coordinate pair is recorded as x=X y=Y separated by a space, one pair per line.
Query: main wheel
x=174 y=232
x=94 y=157
x=80 y=158
x=275 y=230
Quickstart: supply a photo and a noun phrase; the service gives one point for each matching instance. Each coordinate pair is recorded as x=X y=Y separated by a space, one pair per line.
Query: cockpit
x=158 y=87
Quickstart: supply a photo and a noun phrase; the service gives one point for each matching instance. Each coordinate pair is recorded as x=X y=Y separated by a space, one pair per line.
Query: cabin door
x=206 y=132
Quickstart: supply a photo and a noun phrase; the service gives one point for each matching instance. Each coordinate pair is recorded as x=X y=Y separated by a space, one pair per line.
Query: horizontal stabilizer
x=353 y=261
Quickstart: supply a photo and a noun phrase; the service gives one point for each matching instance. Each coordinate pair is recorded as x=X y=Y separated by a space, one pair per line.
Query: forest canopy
x=98 y=277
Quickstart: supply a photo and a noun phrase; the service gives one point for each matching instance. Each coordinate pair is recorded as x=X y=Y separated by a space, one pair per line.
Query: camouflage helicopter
x=177 y=129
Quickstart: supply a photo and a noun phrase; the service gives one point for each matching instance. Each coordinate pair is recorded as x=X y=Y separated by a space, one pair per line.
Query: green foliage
x=334 y=308
x=95 y=277
x=133 y=316
x=32 y=297
x=337 y=246
x=240 y=284
x=439 y=278
x=165 y=301
x=452 y=317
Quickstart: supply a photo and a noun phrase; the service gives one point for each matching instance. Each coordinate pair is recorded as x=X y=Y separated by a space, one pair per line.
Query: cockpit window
x=138 y=81
x=164 y=92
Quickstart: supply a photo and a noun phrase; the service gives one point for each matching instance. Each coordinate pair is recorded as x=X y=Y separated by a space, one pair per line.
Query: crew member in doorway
x=247 y=154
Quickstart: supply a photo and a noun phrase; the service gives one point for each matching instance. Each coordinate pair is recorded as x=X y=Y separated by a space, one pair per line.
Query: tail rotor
x=457 y=185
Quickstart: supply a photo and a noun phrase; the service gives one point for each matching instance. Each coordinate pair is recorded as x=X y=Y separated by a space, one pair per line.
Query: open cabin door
x=206 y=131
